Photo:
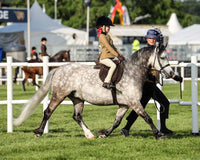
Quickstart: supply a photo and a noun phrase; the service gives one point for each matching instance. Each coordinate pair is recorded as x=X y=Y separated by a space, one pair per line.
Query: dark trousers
x=150 y=90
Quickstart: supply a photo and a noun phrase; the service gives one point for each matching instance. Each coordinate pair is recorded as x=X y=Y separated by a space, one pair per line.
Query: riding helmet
x=151 y=33
x=44 y=39
x=33 y=48
x=103 y=20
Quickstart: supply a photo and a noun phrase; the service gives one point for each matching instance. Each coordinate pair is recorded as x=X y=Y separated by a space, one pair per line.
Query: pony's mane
x=62 y=51
x=144 y=52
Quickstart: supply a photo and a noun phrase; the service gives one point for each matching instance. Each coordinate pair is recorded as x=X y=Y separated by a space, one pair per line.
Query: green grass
x=66 y=140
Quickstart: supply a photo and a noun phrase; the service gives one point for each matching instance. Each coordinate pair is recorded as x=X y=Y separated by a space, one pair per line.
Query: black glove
x=178 y=78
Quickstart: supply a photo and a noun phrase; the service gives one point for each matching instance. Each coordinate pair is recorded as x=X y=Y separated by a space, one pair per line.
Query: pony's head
x=66 y=56
x=159 y=61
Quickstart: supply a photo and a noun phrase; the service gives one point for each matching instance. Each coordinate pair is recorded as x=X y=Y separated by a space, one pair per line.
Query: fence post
x=1 y=75
x=9 y=95
x=45 y=101
x=158 y=107
x=182 y=74
x=36 y=80
x=194 y=90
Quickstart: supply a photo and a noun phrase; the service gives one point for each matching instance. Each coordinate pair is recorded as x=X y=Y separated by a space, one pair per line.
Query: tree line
x=73 y=13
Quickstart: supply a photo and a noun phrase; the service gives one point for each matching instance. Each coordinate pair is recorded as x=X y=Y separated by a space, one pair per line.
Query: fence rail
x=9 y=66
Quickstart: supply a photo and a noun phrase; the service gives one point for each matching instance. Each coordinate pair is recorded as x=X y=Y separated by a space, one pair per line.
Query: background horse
x=30 y=72
x=81 y=83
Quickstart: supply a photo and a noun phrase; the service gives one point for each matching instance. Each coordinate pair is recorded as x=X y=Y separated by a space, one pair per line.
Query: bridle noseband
x=161 y=67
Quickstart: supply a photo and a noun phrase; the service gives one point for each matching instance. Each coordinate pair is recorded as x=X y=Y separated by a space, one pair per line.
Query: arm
x=43 y=51
x=104 y=42
x=31 y=55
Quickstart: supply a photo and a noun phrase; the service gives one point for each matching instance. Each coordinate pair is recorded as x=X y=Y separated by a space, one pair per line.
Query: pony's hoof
x=37 y=135
x=89 y=135
x=91 y=138
x=160 y=136
x=102 y=136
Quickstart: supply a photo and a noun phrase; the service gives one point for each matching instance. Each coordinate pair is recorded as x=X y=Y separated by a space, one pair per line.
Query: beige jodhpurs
x=108 y=62
x=41 y=57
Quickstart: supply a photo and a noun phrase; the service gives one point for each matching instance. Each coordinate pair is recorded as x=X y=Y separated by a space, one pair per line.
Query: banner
x=88 y=2
x=13 y=15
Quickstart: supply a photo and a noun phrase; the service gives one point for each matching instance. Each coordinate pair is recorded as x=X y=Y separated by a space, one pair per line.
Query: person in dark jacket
x=34 y=54
x=150 y=90
x=43 y=48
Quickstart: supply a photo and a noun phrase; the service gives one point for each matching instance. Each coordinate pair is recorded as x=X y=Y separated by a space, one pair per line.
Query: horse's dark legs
x=78 y=109
x=39 y=131
x=55 y=101
x=16 y=73
x=25 y=79
x=119 y=116
x=23 y=84
x=34 y=83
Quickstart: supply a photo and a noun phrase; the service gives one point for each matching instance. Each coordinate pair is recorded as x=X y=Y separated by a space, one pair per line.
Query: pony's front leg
x=119 y=116
x=78 y=109
x=141 y=112
x=34 y=83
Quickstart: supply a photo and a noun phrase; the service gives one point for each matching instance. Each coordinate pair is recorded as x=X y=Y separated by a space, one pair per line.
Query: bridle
x=161 y=67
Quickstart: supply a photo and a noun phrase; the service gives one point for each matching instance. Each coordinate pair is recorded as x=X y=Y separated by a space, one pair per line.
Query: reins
x=160 y=81
x=161 y=67
x=160 y=105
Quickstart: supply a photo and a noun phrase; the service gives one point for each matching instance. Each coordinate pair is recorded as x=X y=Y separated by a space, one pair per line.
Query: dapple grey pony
x=81 y=83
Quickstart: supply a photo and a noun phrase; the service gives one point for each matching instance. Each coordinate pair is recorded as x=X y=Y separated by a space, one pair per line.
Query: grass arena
x=66 y=141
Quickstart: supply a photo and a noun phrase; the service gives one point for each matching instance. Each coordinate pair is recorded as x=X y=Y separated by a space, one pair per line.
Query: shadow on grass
x=180 y=134
x=147 y=133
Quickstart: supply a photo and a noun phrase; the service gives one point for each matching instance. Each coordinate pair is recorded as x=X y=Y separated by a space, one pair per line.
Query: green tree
x=192 y=8
x=73 y=13
x=160 y=10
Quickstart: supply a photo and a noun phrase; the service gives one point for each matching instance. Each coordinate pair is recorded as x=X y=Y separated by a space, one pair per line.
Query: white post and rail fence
x=9 y=79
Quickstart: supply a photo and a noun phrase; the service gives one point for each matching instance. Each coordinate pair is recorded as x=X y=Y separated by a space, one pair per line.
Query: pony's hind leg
x=119 y=116
x=25 y=79
x=55 y=101
x=16 y=73
x=141 y=112
x=78 y=109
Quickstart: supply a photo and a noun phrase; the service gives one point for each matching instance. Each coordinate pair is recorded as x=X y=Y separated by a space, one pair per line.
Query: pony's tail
x=34 y=102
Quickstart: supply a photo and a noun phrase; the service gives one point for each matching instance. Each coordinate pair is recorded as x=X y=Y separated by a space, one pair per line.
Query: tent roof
x=41 y=25
x=173 y=24
x=188 y=35
x=39 y=22
x=136 y=30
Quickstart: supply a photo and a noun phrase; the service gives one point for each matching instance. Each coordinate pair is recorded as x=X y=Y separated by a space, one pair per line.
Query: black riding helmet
x=103 y=20
x=44 y=39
